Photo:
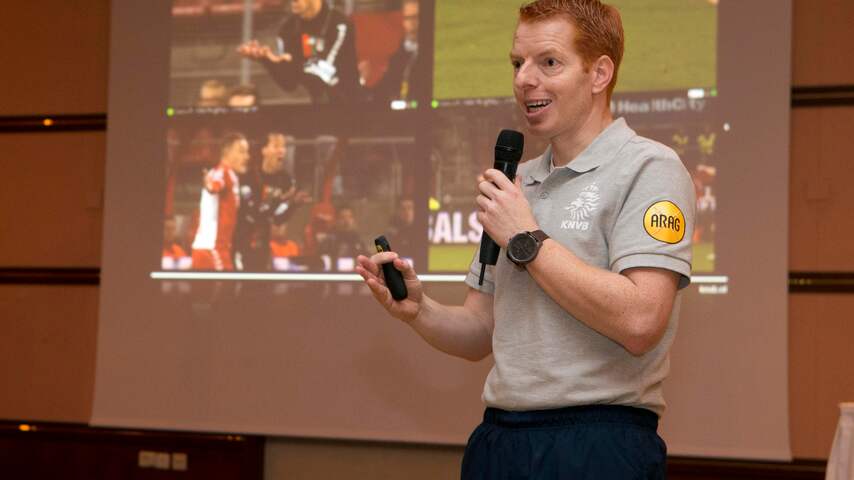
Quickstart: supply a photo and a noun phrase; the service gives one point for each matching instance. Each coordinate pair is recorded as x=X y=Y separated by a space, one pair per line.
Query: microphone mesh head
x=509 y=146
x=511 y=139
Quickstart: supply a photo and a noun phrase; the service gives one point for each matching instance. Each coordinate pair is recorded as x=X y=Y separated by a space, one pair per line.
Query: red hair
x=598 y=26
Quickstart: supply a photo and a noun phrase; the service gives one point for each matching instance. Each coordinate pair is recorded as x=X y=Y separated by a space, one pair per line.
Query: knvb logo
x=581 y=208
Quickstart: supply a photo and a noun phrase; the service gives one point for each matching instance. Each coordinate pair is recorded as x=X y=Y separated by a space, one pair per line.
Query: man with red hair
x=581 y=312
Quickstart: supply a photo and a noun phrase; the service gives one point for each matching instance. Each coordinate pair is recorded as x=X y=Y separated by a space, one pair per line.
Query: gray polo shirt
x=625 y=201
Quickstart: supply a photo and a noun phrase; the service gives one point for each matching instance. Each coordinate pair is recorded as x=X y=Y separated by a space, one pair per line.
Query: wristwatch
x=523 y=247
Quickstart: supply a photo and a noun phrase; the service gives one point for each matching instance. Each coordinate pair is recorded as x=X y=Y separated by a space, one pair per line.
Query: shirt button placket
x=541 y=209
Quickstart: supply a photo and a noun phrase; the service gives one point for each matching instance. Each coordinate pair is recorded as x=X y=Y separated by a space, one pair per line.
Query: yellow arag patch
x=664 y=222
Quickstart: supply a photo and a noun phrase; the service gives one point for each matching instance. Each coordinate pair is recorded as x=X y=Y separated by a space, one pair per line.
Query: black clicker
x=393 y=277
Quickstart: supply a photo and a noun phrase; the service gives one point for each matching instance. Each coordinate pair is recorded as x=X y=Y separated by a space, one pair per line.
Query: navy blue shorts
x=601 y=442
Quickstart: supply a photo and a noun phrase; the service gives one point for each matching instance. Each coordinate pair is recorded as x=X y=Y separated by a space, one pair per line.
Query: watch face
x=522 y=248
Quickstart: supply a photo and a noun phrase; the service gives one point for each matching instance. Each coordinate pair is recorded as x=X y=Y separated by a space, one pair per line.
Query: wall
x=50 y=206
x=50 y=214
x=821 y=373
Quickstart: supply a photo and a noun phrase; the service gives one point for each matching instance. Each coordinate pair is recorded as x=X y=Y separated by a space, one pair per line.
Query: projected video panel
x=298 y=204
x=228 y=54
x=459 y=157
x=667 y=89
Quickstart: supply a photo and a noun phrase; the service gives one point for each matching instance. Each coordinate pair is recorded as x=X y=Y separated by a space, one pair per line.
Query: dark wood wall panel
x=821 y=204
x=47 y=352
x=54 y=57
x=821 y=369
x=821 y=226
x=821 y=47
x=51 y=199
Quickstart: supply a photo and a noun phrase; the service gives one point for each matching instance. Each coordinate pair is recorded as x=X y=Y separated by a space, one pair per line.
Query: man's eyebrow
x=548 y=51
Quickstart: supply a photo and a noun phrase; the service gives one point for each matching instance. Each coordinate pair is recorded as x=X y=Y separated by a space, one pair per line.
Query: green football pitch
x=670 y=45
x=450 y=258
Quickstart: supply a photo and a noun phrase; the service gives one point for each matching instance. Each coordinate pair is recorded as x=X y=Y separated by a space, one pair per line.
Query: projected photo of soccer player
x=316 y=48
x=269 y=197
x=287 y=52
x=274 y=201
x=220 y=200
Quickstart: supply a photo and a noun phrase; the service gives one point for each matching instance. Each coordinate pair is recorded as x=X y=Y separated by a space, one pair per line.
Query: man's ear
x=603 y=72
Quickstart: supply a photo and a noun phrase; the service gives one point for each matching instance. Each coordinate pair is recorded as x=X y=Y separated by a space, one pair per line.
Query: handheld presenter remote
x=393 y=277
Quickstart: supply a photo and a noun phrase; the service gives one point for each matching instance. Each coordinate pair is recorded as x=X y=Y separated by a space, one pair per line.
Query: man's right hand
x=371 y=271
x=256 y=51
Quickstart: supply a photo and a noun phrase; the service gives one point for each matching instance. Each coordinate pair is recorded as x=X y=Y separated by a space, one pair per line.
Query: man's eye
x=551 y=62
x=516 y=64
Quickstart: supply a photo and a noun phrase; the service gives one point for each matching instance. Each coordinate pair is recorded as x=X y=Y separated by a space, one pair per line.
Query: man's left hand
x=503 y=209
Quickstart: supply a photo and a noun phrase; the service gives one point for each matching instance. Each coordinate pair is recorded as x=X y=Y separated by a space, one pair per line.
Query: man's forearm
x=633 y=314
x=455 y=330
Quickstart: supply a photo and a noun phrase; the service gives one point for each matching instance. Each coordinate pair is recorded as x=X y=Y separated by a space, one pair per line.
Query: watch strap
x=539 y=235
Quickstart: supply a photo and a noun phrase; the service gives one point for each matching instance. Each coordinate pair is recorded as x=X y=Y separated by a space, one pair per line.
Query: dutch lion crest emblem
x=585 y=204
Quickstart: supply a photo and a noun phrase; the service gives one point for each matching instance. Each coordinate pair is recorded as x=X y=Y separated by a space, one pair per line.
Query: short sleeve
x=215 y=180
x=656 y=222
x=473 y=276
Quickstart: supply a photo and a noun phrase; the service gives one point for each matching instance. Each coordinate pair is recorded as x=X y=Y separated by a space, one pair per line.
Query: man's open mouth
x=534 y=106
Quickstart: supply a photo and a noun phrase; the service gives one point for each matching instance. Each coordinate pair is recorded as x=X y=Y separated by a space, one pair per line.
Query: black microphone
x=508 y=152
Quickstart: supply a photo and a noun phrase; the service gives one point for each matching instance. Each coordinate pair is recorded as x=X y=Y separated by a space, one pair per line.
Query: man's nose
x=526 y=77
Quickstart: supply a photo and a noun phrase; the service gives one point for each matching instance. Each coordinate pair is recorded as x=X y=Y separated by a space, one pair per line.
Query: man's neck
x=566 y=148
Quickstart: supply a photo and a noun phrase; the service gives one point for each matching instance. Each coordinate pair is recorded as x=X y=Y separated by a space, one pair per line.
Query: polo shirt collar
x=603 y=148
x=540 y=169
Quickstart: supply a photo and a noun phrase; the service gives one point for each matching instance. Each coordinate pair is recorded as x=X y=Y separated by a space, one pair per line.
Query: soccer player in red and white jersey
x=218 y=206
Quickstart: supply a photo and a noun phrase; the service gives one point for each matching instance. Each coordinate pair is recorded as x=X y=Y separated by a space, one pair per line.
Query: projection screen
x=277 y=335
